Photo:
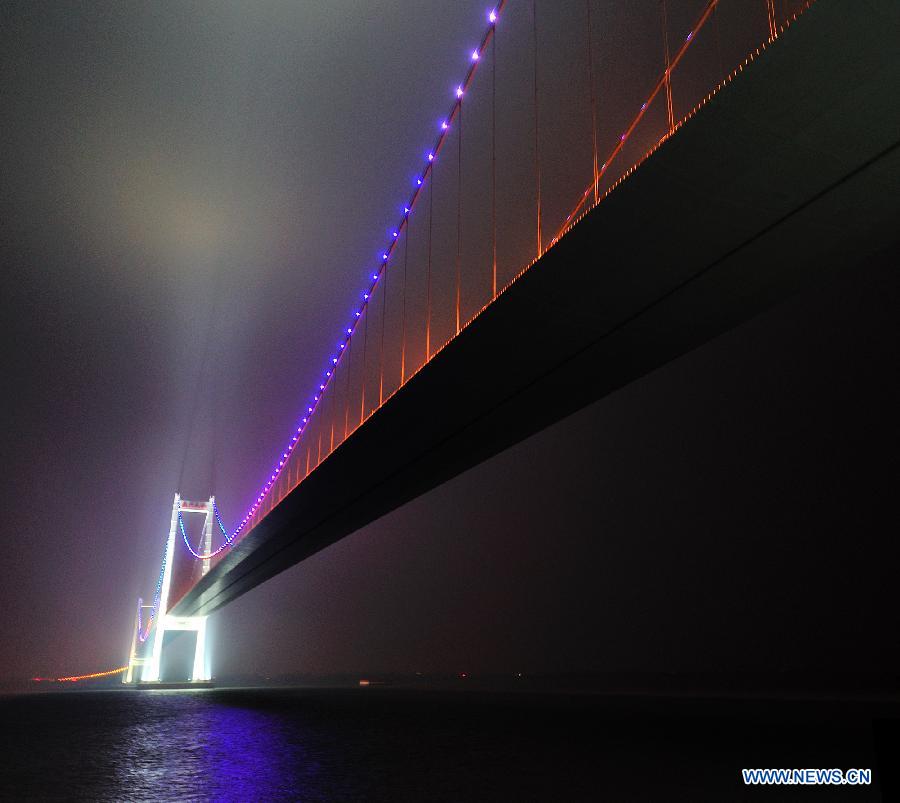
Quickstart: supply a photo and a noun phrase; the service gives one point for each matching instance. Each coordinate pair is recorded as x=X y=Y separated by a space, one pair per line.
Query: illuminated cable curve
x=143 y=634
x=445 y=125
x=229 y=539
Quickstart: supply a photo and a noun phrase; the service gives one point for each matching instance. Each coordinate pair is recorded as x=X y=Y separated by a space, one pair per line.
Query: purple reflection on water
x=193 y=746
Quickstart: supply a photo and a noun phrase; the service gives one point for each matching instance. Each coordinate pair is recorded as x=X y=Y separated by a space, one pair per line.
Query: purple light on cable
x=492 y=16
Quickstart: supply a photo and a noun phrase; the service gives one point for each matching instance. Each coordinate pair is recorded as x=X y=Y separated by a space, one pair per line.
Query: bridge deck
x=789 y=173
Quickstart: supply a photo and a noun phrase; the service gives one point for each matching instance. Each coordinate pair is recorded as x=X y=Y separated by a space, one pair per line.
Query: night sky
x=177 y=173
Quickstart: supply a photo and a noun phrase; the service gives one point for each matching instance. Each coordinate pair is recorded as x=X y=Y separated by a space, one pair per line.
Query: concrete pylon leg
x=132 y=653
x=200 y=671
x=152 y=668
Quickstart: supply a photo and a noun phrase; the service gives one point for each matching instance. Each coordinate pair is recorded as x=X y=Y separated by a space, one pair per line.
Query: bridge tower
x=135 y=659
x=150 y=665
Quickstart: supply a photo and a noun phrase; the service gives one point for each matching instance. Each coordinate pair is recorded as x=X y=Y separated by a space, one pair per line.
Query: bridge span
x=784 y=176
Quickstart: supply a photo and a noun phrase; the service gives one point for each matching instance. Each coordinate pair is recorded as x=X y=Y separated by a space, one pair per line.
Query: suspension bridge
x=560 y=240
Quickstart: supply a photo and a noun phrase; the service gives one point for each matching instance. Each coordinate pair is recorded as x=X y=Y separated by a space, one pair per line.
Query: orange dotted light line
x=75 y=678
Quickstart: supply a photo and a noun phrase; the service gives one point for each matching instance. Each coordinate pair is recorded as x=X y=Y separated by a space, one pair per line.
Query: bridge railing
x=559 y=101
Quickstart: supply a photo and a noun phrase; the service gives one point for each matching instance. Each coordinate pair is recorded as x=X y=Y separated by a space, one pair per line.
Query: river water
x=386 y=744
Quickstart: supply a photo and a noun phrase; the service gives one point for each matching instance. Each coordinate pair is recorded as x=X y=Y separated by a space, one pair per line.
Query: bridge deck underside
x=789 y=173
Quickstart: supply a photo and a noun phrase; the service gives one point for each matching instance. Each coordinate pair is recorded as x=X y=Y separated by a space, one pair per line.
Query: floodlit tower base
x=149 y=666
x=199 y=672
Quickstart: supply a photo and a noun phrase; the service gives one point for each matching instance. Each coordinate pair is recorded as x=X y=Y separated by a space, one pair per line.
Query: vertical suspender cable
x=537 y=149
x=719 y=42
x=362 y=400
x=459 y=213
x=347 y=401
x=319 y=447
x=381 y=347
x=330 y=401
x=428 y=272
x=590 y=46
x=403 y=307
x=669 y=108
x=773 y=28
x=494 y=163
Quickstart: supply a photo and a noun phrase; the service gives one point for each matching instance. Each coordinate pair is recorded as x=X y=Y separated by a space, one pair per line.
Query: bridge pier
x=200 y=671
